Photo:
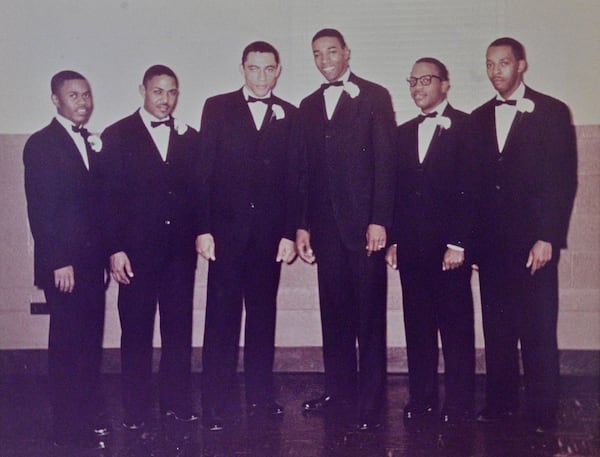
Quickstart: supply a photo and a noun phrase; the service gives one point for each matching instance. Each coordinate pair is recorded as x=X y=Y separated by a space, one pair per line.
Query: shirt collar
x=247 y=94
x=518 y=94
x=344 y=78
x=68 y=124
x=439 y=108
x=147 y=118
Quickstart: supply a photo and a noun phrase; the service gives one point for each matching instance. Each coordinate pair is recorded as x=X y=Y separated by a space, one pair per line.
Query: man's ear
x=142 y=90
x=55 y=100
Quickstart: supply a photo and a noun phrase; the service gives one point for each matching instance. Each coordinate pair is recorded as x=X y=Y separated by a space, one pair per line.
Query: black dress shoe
x=368 y=421
x=181 y=416
x=318 y=404
x=489 y=414
x=87 y=442
x=270 y=408
x=101 y=430
x=455 y=417
x=414 y=412
x=213 y=423
x=133 y=424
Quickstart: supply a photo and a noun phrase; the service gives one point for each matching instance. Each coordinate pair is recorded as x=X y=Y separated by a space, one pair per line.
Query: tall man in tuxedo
x=349 y=192
x=62 y=194
x=432 y=235
x=150 y=227
x=249 y=191
x=529 y=184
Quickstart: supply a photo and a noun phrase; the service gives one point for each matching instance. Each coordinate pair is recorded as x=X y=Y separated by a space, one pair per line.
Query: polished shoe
x=321 y=403
x=488 y=415
x=101 y=430
x=213 y=423
x=368 y=421
x=270 y=408
x=181 y=416
x=414 y=412
x=87 y=442
x=133 y=424
x=455 y=416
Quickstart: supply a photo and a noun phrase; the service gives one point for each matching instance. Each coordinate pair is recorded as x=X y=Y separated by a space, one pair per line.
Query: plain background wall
x=112 y=42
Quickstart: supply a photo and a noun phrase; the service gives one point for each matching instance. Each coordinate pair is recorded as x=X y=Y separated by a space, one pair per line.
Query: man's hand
x=205 y=246
x=453 y=258
x=286 y=252
x=120 y=268
x=391 y=256
x=303 y=246
x=376 y=238
x=64 y=279
x=539 y=256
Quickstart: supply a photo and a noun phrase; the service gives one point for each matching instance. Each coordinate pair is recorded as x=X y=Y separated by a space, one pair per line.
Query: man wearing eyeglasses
x=349 y=198
x=432 y=244
x=529 y=182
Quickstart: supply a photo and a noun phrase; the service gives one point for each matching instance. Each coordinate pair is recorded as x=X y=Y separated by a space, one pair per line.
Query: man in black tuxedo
x=150 y=222
x=529 y=183
x=62 y=194
x=432 y=235
x=249 y=191
x=349 y=198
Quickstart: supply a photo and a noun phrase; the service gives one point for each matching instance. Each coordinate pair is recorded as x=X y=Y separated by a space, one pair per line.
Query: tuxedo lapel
x=68 y=145
x=146 y=141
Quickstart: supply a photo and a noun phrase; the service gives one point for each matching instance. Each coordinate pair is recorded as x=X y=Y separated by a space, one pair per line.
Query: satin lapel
x=146 y=142
x=513 y=129
x=340 y=107
x=71 y=151
x=268 y=118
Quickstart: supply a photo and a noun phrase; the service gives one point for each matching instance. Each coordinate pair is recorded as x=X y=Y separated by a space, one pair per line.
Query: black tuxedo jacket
x=149 y=205
x=248 y=173
x=350 y=162
x=436 y=201
x=528 y=188
x=61 y=203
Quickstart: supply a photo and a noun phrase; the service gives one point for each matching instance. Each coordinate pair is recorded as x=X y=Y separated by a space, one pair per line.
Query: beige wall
x=113 y=41
x=298 y=322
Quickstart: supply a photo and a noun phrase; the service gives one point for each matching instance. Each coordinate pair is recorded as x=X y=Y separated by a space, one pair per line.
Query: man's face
x=428 y=97
x=504 y=71
x=330 y=57
x=74 y=101
x=160 y=95
x=260 y=71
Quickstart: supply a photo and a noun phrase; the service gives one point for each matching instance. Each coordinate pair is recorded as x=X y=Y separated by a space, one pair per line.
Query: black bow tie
x=422 y=117
x=167 y=122
x=335 y=83
x=252 y=99
x=81 y=130
x=498 y=102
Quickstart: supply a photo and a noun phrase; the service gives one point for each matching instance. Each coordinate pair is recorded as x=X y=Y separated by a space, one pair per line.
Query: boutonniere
x=444 y=122
x=278 y=112
x=95 y=143
x=525 y=105
x=352 y=89
x=179 y=127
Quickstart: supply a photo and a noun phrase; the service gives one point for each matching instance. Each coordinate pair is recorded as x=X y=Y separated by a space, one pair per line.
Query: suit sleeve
x=559 y=176
x=384 y=155
x=294 y=195
x=46 y=212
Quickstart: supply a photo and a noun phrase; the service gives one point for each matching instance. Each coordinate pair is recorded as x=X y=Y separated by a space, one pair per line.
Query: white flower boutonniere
x=444 y=122
x=525 y=105
x=180 y=127
x=352 y=89
x=278 y=112
x=95 y=143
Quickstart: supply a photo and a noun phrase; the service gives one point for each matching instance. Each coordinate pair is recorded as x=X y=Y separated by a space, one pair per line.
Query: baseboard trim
x=287 y=360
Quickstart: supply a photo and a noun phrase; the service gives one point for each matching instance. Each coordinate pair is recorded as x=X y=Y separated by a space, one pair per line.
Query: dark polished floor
x=25 y=428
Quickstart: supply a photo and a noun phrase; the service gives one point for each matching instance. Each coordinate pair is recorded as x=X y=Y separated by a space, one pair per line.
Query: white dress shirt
x=505 y=114
x=76 y=136
x=159 y=134
x=257 y=109
x=427 y=128
x=332 y=95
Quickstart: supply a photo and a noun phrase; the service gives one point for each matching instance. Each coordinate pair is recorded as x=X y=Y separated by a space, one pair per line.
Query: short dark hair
x=158 y=70
x=260 y=46
x=59 y=78
x=518 y=49
x=443 y=71
x=333 y=33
